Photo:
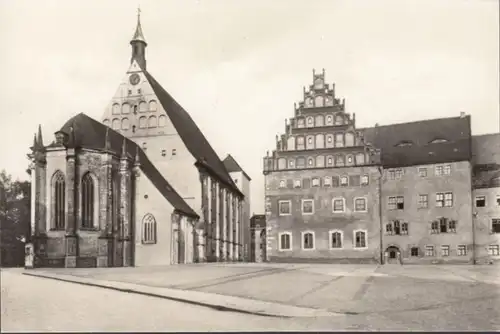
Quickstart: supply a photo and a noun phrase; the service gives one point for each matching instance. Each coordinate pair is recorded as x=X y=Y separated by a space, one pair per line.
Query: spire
x=34 y=141
x=139 y=44
x=40 y=139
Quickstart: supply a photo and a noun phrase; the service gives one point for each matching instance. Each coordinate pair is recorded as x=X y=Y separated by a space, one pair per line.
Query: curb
x=253 y=307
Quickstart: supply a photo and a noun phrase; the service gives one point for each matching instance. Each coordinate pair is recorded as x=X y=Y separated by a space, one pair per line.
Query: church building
x=142 y=186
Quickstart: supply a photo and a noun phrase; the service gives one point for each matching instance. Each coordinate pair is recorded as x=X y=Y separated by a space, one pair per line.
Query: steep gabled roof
x=232 y=166
x=191 y=135
x=457 y=147
x=91 y=134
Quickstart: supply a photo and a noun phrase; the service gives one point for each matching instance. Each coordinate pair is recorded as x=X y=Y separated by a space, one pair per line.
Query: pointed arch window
x=152 y=122
x=58 y=201
x=149 y=235
x=88 y=199
x=162 y=121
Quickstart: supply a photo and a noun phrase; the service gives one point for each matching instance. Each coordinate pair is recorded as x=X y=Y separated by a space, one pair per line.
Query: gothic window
x=300 y=143
x=320 y=141
x=329 y=120
x=310 y=122
x=319 y=101
x=349 y=139
x=339 y=160
x=320 y=161
x=58 y=201
x=143 y=122
x=88 y=197
x=116 y=109
x=329 y=140
x=281 y=163
x=291 y=143
x=116 y=124
x=153 y=122
x=339 y=140
x=152 y=105
x=143 y=106
x=125 y=124
x=320 y=120
x=162 y=121
x=310 y=142
x=125 y=108
x=149 y=234
x=339 y=120
x=360 y=159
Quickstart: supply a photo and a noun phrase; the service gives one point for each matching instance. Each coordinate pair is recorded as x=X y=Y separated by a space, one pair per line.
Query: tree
x=14 y=219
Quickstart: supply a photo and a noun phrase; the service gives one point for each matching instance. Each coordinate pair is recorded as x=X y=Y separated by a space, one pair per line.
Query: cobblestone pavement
x=457 y=297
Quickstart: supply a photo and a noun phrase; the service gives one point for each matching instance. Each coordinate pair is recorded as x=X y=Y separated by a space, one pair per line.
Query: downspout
x=380 y=214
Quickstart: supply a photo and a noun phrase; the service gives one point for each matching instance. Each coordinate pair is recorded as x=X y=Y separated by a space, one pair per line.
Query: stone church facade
x=142 y=187
x=425 y=191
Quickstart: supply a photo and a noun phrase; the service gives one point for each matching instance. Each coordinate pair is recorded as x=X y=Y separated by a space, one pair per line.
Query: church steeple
x=139 y=44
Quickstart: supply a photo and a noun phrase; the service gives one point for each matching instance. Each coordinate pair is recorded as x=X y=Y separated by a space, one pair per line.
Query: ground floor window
x=494 y=250
x=445 y=250
x=462 y=250
x=429 y=250
x=308 y=240
x=285 y=241
x=414 y=251
x=360 y=239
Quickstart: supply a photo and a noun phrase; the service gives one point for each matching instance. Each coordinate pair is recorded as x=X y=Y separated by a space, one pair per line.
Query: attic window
x=438 y=140
x=163 y=153
x=144 y=146
x=174 y=151
x=404 y=143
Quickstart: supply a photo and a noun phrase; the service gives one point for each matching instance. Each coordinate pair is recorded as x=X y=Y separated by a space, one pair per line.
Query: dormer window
x=438 y=140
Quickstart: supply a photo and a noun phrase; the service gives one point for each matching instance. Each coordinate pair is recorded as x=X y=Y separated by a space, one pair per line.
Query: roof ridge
x=414 y=122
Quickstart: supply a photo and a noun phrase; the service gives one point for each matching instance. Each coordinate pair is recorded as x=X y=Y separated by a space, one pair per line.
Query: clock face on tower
x=134 y=79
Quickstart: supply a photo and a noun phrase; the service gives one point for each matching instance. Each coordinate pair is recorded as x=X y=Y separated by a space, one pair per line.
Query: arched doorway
x=392 y=254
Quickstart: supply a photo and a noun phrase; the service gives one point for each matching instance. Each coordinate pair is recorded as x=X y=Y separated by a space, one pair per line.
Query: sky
x=238 y=66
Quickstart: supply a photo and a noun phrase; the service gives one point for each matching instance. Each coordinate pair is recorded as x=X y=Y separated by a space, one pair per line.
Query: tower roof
x=138 y=35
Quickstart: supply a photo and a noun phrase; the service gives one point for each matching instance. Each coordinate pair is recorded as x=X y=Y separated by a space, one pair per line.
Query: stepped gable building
x=337 y=193
x=183 y=206
x=322 y=184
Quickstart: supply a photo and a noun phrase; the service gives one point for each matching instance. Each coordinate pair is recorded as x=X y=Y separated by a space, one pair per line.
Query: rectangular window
x=174 y=151
x=444 y=199
x=359 y=239
x=339 y=140
x=423 y=201
x=315 y=182
x=445 y=250
x=434 y=227
x=462 y=250
x=327 y=181
x=297 y=183
x=493 y=250
x=480 y=201
x=404 y=229
x=336 y=239
x=338 y=205
x=285 y=208
x=422 y=172
x=308 y=240
x=307 y=206
x=399 y=173
x=335 y=181
x=391 y=174
x=414 y=251
x=163 y=153
x=396 y=203
x=364 y=180
x=495 y=225
x=439 y=170
x=447 y=169
x=285 y=241
x=355 y=180
x=429 y=250
x=360 y=204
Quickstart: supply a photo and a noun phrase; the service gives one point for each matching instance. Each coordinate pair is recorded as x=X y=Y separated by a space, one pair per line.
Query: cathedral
x=141 y=186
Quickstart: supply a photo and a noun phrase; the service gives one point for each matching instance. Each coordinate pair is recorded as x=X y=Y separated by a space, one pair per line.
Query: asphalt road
x=40 y=305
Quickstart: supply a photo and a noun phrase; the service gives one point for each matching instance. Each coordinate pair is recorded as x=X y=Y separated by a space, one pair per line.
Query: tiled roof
x=232 y=166
x=91 y=134
x=486 y=148
x=418 y=143
x=191 y=135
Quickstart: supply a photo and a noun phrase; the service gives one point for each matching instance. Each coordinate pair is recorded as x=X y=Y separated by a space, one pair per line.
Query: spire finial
x=40 y=139
x=138 y=35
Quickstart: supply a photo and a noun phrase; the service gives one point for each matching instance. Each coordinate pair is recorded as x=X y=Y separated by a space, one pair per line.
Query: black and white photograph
x=249 y=166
